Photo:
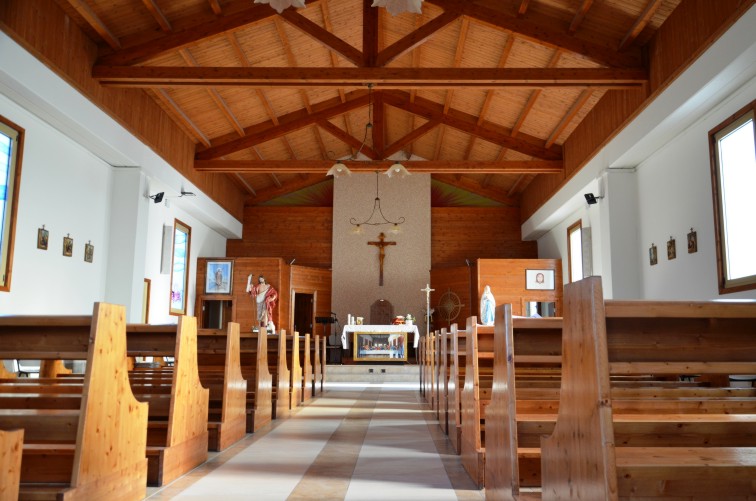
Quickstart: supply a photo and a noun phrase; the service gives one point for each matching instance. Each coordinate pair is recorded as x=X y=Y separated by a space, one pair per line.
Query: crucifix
x=381 y=244
x=427 y=291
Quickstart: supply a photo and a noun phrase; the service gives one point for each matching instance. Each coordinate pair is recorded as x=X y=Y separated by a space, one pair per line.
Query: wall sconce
x=158 y=197
x=591 y=198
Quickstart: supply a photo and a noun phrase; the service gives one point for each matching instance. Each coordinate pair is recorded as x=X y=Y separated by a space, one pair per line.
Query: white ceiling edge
x=725 y=67
x=33 y=86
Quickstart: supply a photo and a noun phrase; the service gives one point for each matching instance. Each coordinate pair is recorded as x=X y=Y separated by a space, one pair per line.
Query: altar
x=378 y=329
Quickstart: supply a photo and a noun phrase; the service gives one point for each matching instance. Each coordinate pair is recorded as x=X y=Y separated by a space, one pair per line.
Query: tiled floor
x=362 y=441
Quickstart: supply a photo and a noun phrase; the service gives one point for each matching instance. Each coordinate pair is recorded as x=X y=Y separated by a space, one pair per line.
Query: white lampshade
x=357 y=230
x=338 y=170
x=280 y=5
x=397 y=170
x=395 y=229
x=398 y=6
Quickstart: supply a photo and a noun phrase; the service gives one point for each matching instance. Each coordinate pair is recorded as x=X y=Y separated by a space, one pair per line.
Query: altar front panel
x=378 y=329
x=380 y=346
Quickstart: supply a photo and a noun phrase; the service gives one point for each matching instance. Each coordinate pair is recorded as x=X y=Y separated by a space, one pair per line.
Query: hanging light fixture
x=339 y=168
x=280 y=5
x=398 y=6
x=376 y=217
x=397 y=170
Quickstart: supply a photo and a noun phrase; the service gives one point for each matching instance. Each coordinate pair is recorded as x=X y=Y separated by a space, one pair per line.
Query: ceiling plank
x=370 y=33
x=421 y=166
x=379 y=124
x=491 y=93
x=357 y=145
x=418 y=37
x=215 y=6
x=325 y=37
x=473 y=186
x=415 y=64
x=384 y=78
x=579 y=103
x=640 y=23
x=469 y=124
x=149 y=49
x=261 y=133
x=542 y=32
x=450 y=93
x=162 y=21
x=182 y=117
x=83 y=8
x=413 y=136
x=523 y=7
x=291 y=186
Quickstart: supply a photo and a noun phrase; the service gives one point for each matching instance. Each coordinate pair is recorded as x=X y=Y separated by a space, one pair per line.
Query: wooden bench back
x=11 y=443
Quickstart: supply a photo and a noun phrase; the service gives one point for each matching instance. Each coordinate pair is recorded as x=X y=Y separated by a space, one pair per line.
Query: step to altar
x=377 y=373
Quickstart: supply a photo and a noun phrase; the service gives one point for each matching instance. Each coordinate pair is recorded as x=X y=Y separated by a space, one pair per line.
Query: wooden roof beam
x=158 y=15
x=261 y=133
x=352 y=141
x=83 y=8
x=579 y=16
x=640 y=23
x=415 y=166
x=468 y=124
x=383 y=78
x=410 y=138
x=545 y=31
x=370 y=33
x=324 y=37
x=416 y=38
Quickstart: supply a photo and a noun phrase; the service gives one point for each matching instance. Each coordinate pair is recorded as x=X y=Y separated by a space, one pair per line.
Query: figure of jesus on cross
x=381 y=244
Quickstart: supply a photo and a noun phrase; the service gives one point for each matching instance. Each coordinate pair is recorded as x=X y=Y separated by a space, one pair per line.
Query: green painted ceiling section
x=442 y=195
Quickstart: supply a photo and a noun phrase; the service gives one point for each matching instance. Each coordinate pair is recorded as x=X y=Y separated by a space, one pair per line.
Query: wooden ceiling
x=481 y=94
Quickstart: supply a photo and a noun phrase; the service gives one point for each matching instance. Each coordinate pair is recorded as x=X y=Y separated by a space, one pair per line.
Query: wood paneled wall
x=691 y=28
x=43 y=29
x=301 y=233
x=457 y=279
x=459 y=233
x=315 y=281
x=507 y=280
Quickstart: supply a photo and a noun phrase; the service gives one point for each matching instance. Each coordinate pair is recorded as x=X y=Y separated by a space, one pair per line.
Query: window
x=182 y=238
x=733 y=170
x=11 y=147
x=575 y=251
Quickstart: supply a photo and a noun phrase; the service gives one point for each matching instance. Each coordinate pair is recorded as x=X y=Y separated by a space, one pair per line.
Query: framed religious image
x=652 y=256
x=43 y=236
x=88 y=252
x=692 y=242
x=67 y=246
x=671 y=249
x=539 y=280
x=182 y=239
x=219 y=277
x=380 y=346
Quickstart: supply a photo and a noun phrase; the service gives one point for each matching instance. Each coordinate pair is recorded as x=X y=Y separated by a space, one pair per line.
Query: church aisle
x=356 y=442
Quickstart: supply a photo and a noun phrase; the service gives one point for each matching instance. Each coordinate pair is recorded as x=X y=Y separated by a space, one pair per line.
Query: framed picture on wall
x=219 y=277
x=539 y=280
x=43 y=237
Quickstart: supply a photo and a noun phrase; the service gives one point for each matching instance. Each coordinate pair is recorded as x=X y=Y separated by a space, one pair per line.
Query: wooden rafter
x=299 y=119
x=417 y=37
x=383 y=78
x=209 y=27
x=379 y=124
x=473 y=186
x=181 y=117
x=413 y=136
x=370 y=32
x=353 y=142
x=305 y=181
x=323 y=36
x=542 y=33
x=579 y=16
x=640 y=23
x=523 y=8
x=467 y=123
x=420 y=166
x=450 y=93
x=574 y=110
x=158 y=15
x=215 y=6
x=415 y=64
x=83 y=8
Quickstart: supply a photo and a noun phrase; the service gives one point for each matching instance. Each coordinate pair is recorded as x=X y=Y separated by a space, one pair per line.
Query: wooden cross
x=381 y=244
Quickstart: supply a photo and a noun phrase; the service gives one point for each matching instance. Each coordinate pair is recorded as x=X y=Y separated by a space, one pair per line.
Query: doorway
x=304 y=307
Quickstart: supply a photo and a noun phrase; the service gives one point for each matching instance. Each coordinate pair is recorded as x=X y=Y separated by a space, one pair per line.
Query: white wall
x=66 y=189
x=675 y=196
x=355 y=263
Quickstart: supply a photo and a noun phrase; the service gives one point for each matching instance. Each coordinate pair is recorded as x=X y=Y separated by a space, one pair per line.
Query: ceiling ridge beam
x=296 y=120
x=415 y=166
x=385 y=78
x=542 y=34
x=323 y=36
x=370 y=33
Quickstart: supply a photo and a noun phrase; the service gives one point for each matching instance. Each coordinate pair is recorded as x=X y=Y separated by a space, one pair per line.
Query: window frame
x=570 y=229
x=179 y=260
x=11 y=204
x=725 y=285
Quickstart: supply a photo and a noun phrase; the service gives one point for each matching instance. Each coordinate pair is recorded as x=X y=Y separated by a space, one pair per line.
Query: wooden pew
x=458 y=361
x=581 y=458
x=305 y=357
x=219 y=365
x=255 y=353
x=95 y=450
x=317 y=365
x=323 y=362
x=295 y=371
x=178 y=436
x=421 y=365
x=475 y=397
x=281 y=375
x=11 y=449
x=444 y=370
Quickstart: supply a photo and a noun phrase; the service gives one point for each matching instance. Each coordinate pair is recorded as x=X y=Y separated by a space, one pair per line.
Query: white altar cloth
x=378 y=328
